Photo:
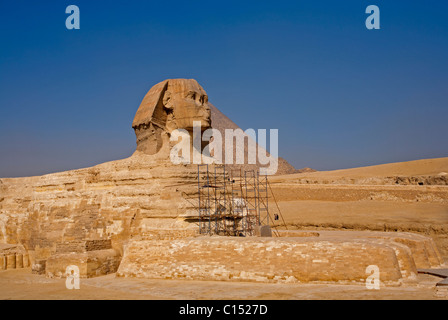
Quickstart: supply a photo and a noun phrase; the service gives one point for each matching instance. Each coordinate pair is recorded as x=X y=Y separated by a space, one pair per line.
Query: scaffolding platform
x=232 y=202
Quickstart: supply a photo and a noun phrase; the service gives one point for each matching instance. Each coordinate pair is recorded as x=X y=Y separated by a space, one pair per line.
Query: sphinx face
x=186 y=102
x=169 y=105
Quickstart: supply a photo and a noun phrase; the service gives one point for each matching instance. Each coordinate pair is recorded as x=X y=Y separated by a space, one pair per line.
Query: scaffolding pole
x=232 y=202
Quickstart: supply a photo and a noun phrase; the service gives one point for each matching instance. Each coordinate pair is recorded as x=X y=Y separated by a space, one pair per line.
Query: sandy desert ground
x=22 y=284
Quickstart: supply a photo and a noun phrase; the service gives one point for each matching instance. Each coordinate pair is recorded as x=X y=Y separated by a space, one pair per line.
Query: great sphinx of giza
x=90 y=214
x=128 y=216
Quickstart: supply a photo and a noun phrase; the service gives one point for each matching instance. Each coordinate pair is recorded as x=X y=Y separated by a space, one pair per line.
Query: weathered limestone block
x=266 y=260
x=26 y=260
x=423 y=250
x=168 y=234
x=165 y=229
x=38 y=267
x=406 y=263
x=11 y=261
x=82 y=246
x=19 y=261
x=2 y=262
x=90 y=264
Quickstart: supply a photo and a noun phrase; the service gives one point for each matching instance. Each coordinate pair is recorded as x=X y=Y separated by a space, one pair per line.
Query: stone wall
x=278 y=260
x=90 y=264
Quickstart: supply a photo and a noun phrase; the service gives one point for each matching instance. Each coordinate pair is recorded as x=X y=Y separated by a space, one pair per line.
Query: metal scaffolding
x=212 y=198
x=232 y=202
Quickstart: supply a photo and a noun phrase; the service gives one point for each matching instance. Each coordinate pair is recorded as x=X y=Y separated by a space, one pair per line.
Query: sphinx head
x=170 y=105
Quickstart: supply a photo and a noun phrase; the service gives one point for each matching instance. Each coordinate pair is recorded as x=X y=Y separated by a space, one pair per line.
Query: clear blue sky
x=340 y=95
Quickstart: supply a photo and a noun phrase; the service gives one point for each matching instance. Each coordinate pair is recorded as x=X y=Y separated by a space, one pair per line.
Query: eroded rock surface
x=334 y=257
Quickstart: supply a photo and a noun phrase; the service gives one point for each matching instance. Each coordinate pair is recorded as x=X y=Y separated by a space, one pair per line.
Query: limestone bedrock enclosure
x=135 y=217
